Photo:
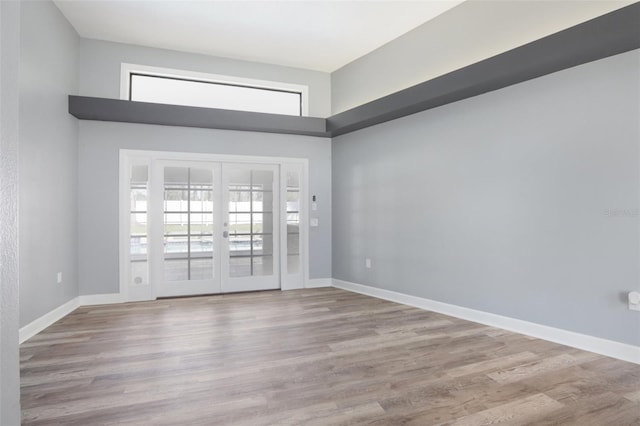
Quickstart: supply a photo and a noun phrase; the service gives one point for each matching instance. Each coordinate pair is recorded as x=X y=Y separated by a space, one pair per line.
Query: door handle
x=225 y=234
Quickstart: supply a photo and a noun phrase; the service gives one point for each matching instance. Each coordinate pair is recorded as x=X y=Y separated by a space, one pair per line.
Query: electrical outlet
x=367 y=263
x=59 y=277
x=634 y=301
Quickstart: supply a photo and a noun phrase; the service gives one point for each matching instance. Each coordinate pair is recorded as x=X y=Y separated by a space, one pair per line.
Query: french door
x=250 y=228
x=214 y=227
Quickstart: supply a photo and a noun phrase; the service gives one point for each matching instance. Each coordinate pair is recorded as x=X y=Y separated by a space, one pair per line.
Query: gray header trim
x=86 y=108
x=611 y=34
x=608 y=35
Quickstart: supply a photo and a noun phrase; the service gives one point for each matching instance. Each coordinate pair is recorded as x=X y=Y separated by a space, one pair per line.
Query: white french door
x=250 y=229
x=215 y=228
x=185 y=254
x=211 y=224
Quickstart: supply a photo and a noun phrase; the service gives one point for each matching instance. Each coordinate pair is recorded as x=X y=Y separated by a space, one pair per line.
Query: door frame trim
x=129 y=157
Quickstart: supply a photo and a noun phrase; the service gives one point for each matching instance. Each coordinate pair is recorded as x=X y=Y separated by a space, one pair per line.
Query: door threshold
x=216 y=294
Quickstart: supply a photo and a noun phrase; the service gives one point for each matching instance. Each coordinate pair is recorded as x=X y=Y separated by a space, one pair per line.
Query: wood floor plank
x=533 y=369
x=309 y=357
x=523 y=411
x=491 y=364
x=633 y=396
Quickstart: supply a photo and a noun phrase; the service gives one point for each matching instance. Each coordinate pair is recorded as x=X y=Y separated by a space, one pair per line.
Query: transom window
x=158 y=85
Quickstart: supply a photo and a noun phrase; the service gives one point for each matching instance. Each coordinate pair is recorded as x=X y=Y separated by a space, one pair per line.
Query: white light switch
x=314 y=206
x=314 y=222
x=59 y=277
x=367 y=263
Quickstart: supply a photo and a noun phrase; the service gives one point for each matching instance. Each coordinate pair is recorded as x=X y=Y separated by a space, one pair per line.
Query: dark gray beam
x=101 y=109
x=607 y=35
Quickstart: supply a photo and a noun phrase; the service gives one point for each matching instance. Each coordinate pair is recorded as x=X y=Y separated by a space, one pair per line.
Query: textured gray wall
x=99 y=68
x=48 y=160
x=9 y=66
x=438 y=46
x=100 y=143
x=522 y=202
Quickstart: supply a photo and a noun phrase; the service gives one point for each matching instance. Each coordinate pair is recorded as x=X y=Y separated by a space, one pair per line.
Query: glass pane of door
x=250 y=222
x=293 y=222
x=138 y=228
x=188 y=224
x=251 y=257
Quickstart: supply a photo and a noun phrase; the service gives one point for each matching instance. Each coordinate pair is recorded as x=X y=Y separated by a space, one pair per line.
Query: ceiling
x=316 y=35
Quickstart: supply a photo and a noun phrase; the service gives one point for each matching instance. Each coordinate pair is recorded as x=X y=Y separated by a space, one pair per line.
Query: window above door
x=179 y=87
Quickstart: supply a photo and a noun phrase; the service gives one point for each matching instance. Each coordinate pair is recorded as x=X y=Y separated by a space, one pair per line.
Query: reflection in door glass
x=188 y=223
x=138 y=254
x=293 y=222
x=250 y=223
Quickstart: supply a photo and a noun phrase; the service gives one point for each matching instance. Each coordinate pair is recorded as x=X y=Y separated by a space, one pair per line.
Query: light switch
x=314 y=222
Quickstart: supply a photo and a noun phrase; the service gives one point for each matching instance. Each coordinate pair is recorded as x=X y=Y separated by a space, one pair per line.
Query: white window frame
x=127 y=69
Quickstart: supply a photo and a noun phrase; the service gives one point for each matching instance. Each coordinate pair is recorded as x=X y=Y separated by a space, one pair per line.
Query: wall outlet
x=367 y=263
x=59 y=277
x=634 y=301
x=314 y=222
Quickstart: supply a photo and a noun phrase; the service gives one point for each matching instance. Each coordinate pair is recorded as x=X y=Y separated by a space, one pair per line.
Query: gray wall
x=9 y=66
x=522 y=202
x=48 y=160
x=100 y=143
x=99 y=68
x=439 y=46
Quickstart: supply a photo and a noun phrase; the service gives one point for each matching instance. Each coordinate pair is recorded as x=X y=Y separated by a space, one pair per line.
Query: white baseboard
x=101 y=299
x=585 y=342
x=319 y=282
x=39 y=324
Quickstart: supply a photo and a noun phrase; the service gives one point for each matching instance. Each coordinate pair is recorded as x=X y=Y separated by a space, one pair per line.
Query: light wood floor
x=310 y=357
